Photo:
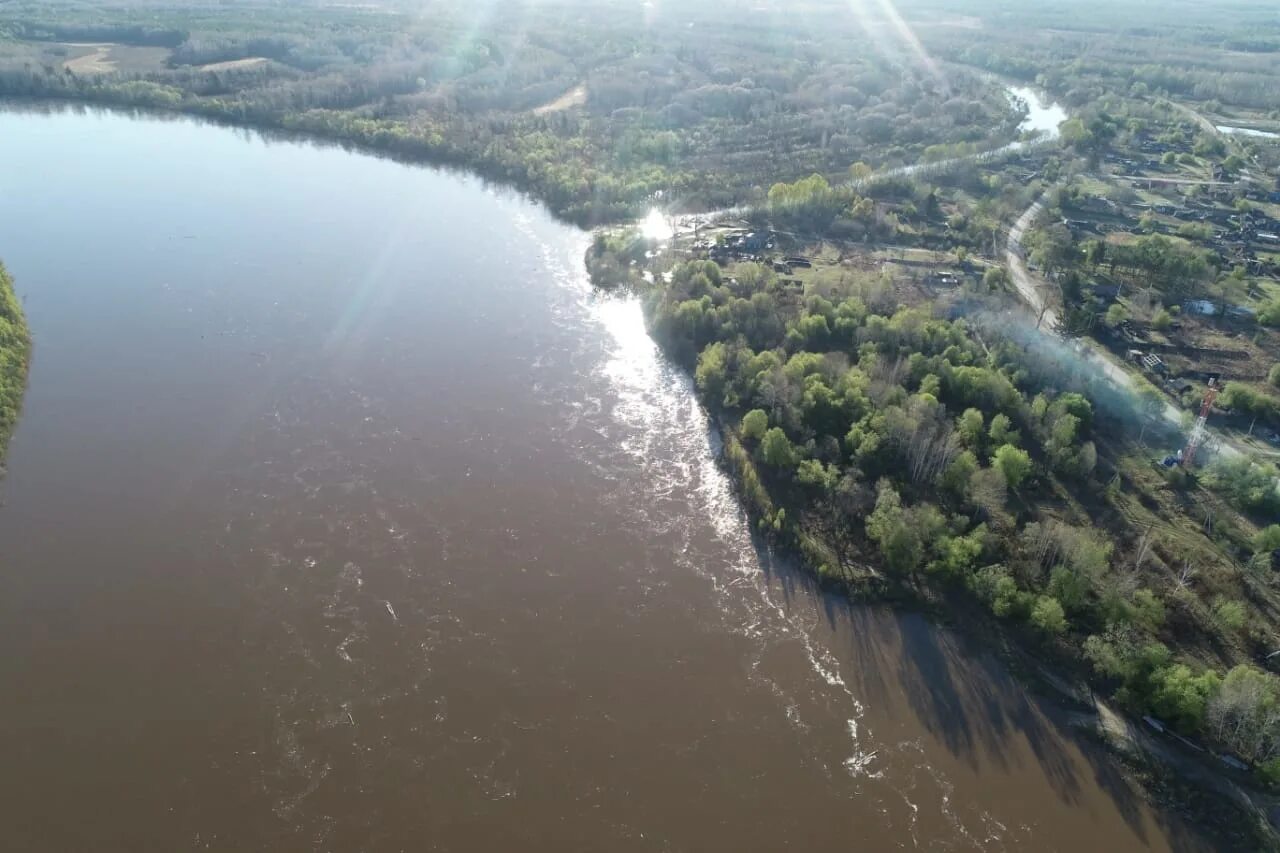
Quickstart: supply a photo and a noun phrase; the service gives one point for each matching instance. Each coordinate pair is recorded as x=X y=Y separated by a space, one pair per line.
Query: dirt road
x=1034 y=290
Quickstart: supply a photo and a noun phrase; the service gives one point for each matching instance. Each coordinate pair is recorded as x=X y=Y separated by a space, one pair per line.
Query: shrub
x=1228 y=614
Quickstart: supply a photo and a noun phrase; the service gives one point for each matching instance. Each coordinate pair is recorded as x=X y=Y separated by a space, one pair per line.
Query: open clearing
x=575 y=97
x=106 y=58
x=234 y=64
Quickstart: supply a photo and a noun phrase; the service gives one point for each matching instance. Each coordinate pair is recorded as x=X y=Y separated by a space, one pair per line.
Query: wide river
x=344 y=516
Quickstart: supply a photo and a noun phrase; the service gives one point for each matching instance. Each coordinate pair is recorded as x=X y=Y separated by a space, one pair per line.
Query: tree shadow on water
x=968 y=701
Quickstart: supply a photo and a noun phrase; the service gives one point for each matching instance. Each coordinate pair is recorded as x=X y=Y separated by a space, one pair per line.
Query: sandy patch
x=97 y=61
x=575 y=97
x=232 y=64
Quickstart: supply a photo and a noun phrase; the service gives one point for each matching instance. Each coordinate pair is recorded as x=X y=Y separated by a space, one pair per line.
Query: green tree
x=1069 y=587
x=970 y=426
x=1147 y=610
x=957 y=555
x=776 y=449
x=1002 y=431
x=1116 y=315
x=754 y=424
x=1267 y=540
x=1181 y=696
x=1047 y=616
x=955 y=478
x=902 y=550
x=712 y=371
x=815 y=475
x=1274 y=376
x=1013 y=463
x=995 y=278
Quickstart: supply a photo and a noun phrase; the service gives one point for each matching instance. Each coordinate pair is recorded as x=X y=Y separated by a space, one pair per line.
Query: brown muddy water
x=344 y=516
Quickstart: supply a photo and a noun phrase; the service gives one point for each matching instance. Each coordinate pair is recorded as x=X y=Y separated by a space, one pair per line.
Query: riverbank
x=15 y=355
x=883 y=511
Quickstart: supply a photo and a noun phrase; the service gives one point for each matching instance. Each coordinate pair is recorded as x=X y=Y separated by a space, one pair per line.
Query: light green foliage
x=1268 y=539
x=1002 y=431
x=999 y=590
x=1181 y=696
x=815 y=475
x=970 y=426
x=1269 y=315
x=899 y=532
x=1274 y=376
x=744 y=468
x=1116 y=315
x=958 y=555
x=1246 y=484
x=712 y=370
x=1047 y=616
x=995 y=278
x=1229 y=615
x=15 y=351
x=776 y=449
x=1162 y=320
x=1013 y=463
x=1147 y=610
x=754 y=424
x=955 y=479
x=1246 y=400
x=1069 y=587
x=1107 y=660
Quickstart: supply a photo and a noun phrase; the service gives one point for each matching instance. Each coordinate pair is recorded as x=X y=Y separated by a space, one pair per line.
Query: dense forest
x=15 y=352
x=940 y=448
x=597 y=110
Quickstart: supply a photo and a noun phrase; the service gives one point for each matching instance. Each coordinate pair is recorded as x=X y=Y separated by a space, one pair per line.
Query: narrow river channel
x=344 y=516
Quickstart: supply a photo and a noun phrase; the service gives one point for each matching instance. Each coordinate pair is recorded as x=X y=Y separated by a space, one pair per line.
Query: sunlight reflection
x=656 y=226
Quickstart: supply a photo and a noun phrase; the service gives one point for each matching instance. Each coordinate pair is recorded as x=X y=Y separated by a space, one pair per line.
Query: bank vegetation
x=15 y=354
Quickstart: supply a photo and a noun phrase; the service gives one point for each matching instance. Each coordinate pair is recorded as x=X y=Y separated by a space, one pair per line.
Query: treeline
x=15 y=353
x=706 y=106
x=137 y=35
x=957 y=457
x=1187 y=50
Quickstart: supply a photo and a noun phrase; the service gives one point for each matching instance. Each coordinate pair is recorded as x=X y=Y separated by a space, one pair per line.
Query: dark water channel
x=344 y=516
